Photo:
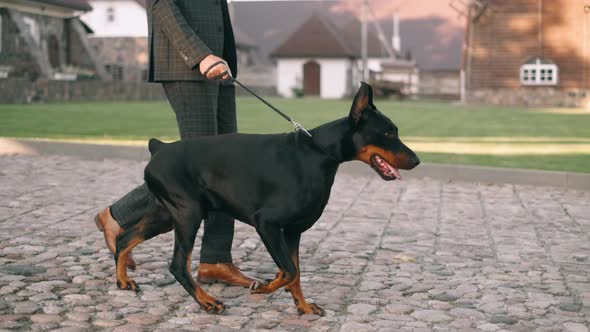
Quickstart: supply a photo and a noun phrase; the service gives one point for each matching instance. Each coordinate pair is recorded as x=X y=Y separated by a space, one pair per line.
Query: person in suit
x=186 y=38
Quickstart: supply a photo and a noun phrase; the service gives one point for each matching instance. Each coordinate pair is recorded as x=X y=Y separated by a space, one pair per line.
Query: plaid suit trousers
x=202 y=108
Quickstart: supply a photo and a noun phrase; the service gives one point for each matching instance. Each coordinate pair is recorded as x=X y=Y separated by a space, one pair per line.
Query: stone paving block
x=416 y=255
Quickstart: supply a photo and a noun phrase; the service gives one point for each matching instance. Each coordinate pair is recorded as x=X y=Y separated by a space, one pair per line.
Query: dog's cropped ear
x=362 y=101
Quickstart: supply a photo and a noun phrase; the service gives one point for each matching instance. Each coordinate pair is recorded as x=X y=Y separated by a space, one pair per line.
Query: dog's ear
x=362 y=101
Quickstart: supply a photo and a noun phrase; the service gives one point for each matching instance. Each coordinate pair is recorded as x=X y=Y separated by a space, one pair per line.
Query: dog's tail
x=154 y=145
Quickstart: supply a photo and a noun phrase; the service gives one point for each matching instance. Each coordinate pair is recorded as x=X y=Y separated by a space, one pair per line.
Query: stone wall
x=18 y=91
x=15 y=57
x=534 y=97
x=440 y=84
x=510 y=33
x=53 y=37
x=128 y=53
x=260 y=90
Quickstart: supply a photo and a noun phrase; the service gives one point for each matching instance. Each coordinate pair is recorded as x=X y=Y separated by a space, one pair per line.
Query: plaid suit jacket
x=184 y=32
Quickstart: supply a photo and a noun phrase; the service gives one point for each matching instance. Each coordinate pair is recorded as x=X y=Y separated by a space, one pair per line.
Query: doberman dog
x=278 y=183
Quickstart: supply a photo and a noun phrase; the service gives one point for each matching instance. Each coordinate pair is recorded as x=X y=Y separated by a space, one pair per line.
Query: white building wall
x=289 y=76
x=129 y=19
x=334 y=76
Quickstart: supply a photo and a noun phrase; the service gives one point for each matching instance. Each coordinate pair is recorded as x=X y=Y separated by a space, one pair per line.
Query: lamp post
x=364 y=43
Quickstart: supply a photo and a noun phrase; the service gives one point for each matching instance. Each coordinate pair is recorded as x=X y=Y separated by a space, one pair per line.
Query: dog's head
x=375 y=138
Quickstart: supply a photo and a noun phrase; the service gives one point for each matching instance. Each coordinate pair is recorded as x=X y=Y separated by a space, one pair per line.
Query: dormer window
x=110 y=14
x=539 y=71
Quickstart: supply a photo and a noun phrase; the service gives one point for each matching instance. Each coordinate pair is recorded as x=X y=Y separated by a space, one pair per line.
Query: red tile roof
x=317 y=37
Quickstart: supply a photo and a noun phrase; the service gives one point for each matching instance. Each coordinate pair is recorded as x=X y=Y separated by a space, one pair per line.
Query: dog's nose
x=414 y=161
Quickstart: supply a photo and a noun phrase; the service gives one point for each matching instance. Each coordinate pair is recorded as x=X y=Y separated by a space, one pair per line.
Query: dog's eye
x=390 y=134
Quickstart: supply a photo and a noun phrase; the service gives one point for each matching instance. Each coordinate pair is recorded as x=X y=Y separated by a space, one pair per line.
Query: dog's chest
x=312 y=200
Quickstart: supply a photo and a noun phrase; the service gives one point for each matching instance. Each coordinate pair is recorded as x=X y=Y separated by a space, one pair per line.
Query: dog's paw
x=212 y=306
x=311 y=308
x=255 y=285
x=258 y=287
x=128 y=285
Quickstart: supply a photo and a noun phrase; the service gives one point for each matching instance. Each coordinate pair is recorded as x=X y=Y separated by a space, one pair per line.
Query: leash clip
x=298 y=127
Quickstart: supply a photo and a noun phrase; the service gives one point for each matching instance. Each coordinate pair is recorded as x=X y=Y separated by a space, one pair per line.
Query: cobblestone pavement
x=416 y=255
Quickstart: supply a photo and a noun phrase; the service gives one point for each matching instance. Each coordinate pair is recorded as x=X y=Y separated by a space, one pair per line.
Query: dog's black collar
x=319 y=146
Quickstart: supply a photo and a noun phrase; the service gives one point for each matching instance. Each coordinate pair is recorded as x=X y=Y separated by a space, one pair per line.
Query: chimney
x=396 y=40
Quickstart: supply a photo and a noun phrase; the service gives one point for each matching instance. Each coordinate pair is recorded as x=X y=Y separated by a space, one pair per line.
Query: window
x=110 y=14
x=33 y=29
x=116 y=71
x=539 y=71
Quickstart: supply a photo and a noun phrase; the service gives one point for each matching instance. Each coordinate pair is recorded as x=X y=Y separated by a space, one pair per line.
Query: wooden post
x=364 y=44
x=37 y=53
x=99 y=66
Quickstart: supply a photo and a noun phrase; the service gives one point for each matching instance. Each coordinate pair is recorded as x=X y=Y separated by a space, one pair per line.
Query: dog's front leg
x=303 y=307
x=274 y=240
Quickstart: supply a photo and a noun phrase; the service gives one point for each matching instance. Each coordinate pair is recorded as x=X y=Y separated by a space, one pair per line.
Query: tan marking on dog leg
x=123 y=280
x=206 y=301
x=279 y=281
x=303 y=307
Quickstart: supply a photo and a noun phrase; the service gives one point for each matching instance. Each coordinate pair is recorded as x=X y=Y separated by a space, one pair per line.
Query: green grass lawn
x=550 y=139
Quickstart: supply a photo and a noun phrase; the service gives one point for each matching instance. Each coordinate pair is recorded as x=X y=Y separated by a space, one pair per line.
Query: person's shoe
x=110 y=227
x=224 y=272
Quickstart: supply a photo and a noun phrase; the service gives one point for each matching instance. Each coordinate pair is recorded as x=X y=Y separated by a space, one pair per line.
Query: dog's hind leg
x=187 y=222
x=274 y=239
x=153 y=223
x=303 y=307
x=187 y=214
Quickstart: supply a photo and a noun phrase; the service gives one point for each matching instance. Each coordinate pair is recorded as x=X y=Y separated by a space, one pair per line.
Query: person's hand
x=220 y=72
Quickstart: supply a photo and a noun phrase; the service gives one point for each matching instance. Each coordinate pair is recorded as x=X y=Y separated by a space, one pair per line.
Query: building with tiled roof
x=317 y=37
x=525 y=52
x=320 y=59
x=46 y=39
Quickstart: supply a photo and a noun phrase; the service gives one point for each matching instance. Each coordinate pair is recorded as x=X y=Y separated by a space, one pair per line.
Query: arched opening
x=311 y=78
x=53 y=52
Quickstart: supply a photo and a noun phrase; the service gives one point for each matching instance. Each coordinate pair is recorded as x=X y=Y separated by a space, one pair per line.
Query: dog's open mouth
x=385 y=169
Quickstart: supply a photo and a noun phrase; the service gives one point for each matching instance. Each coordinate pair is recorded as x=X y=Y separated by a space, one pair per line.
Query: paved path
x=416 y=255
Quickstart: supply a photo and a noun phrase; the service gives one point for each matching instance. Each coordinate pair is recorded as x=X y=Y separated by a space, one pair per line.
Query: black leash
x=295 y=125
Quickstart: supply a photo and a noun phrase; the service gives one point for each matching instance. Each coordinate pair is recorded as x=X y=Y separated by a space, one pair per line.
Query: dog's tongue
x=394 y=171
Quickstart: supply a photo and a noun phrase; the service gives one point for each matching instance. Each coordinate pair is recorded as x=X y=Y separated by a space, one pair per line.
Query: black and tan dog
x=279 y=184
